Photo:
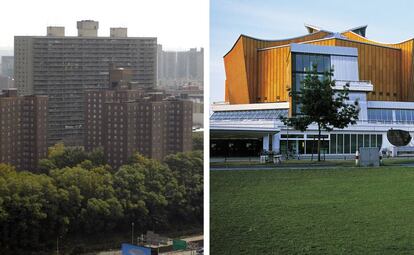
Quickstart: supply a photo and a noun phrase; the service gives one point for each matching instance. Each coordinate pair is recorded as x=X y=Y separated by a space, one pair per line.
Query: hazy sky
x=178 y=24
x=388 y=21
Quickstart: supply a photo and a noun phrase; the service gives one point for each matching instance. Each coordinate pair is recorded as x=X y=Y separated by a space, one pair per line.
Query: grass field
x=344 y=163
x=341 y=211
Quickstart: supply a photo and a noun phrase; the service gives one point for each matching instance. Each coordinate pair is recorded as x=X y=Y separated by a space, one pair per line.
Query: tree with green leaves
x=198 y=142
x=150 y=183
x=321 y=102
x=60 y=157
x=78 y=195
x=187 y=168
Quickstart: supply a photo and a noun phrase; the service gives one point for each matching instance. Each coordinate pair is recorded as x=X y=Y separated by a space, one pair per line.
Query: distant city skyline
x=176 y=30
x=387 y=22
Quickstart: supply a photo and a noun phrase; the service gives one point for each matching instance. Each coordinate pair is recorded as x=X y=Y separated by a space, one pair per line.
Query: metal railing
x=278 y=123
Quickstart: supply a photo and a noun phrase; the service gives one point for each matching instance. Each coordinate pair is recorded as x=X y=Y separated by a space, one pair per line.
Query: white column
x=276 y=143
x=266 y=143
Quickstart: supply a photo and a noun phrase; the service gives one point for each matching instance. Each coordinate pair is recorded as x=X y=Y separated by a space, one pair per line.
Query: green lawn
x=341 y=211
x=294 y=162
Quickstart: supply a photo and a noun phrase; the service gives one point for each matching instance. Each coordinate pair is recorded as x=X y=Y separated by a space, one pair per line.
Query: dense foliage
x=78 y=194
x=198 y=141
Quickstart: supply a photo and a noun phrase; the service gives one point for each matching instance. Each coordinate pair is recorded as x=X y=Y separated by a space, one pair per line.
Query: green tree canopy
x=158 y=191
x=198 y=141
x=188 y=170
x=321 y=102
x=60 y=157
x=80 y=196
x=90 y=197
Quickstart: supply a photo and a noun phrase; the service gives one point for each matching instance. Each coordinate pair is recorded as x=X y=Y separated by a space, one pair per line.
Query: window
x=350 y=143
x=333 y=144
x=373 y=140
x=379 y=141
x=353 y=143
x=299 y=63
x=366 y=141
x=347 y=144
x=380 y=115
x=303 y=63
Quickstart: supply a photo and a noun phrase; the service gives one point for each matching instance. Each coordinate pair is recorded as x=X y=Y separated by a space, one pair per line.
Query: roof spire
x=312 y=29
x=361 y=30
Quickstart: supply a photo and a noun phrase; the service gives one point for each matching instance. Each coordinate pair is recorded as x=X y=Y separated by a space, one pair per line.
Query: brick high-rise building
x=123 y=121
x=23 y=131
x=64 y=67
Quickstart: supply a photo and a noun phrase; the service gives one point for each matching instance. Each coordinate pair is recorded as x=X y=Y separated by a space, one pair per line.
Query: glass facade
x=380 y=115
x=386 y=115
x=330 y=144
x=349 y=143
x=273 y=114
x=302 y=63
x=404 y=116
x=235 y=148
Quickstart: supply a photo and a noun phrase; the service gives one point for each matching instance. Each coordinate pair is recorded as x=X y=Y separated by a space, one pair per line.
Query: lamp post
x=287 y=142
x=132 y=234
x=57 y=244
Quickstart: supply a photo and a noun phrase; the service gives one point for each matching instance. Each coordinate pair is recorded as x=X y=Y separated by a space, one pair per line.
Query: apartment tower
x=23 y=130
x=64 y=67
x=124 y=120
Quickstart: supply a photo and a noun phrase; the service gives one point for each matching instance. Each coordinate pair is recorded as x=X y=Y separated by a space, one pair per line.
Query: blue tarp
x=128 y=249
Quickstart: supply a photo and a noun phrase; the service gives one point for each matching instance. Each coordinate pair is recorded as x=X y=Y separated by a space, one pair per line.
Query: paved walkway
x=294 y=167
x=255 y=168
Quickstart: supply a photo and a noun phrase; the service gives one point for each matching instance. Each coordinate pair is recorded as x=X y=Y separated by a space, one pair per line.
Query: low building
x=23 y=133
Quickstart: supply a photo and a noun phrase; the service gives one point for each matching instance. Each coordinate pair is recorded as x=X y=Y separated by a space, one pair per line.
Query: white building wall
x=345 y=68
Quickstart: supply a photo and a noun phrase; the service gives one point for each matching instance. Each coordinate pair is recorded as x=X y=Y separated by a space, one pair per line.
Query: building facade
x=124 y=121
x=64 y=67
x=6 y=82
x=23 y=132
x=180 y=68
x=7 y=66
x=195 y=95
x=260 y=71
x=259 y=74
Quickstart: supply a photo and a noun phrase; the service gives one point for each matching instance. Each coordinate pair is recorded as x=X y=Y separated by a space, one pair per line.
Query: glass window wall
x=273 y=114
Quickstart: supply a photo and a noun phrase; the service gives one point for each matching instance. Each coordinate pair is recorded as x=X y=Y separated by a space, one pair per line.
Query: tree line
x=77 y=193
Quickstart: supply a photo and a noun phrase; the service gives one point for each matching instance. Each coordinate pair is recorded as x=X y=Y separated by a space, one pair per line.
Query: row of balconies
x=100 y=45
x=85 y=70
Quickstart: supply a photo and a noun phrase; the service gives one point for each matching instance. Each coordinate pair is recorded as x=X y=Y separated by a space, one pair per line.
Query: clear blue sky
x=388 y=21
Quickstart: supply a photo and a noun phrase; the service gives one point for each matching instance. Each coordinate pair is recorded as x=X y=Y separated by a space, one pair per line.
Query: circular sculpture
x=398 y=137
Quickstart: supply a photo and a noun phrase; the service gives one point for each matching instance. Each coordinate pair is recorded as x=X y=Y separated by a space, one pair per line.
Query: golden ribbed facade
x=259 y=71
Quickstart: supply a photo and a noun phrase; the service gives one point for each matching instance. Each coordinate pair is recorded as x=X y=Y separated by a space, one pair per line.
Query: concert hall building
x=260 y=72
